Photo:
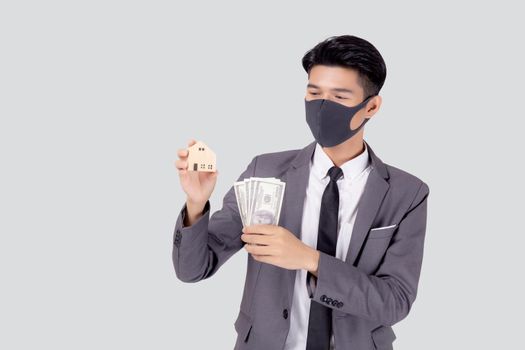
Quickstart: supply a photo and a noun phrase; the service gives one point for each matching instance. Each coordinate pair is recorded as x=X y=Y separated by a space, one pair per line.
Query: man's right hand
x=198 y=185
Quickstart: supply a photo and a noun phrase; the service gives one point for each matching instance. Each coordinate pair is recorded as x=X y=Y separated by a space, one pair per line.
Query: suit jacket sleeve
x=387 y=296
x=200 y=249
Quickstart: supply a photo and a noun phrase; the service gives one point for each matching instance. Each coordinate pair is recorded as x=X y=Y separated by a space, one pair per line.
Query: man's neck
x=347 y=150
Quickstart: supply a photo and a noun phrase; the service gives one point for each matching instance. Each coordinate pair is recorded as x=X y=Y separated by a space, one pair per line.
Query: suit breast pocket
x=382 y=231
x=375 y=247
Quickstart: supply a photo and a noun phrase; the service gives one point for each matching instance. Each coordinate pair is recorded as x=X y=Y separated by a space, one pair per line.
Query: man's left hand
x=279 y=247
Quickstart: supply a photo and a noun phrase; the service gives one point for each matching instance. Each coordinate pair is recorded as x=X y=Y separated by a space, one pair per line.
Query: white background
x=96 y=97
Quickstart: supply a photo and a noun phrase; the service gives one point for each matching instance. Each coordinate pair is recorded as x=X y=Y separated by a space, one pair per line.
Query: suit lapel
x=367 y=208
x=375 y=190
x=296 y=178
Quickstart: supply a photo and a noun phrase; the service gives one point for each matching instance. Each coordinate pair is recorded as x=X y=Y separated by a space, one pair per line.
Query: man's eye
x=341 y=98
x=314 y=93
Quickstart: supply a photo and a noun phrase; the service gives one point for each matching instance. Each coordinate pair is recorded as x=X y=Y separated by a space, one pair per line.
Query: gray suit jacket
x=370 y=291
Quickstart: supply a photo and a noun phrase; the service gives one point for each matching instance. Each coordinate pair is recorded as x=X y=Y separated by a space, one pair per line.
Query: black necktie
x=320 y=320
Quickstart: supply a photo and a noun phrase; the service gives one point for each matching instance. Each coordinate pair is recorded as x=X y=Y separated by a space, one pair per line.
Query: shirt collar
x=321 y=163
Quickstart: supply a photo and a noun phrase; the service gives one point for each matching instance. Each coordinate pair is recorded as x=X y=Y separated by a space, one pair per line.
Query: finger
x=181 y=164
x=253 y=238
x=182 y=152
x=259 y=228
x=260 y=258
x=256 y=240
x=257 y=249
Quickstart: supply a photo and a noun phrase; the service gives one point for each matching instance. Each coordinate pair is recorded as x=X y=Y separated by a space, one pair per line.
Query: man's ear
x=373 y=106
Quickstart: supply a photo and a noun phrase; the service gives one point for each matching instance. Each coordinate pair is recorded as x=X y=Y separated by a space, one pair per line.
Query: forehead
x=329 y=77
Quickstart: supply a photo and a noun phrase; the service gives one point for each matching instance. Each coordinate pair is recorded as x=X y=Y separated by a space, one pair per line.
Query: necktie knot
x=335 y=173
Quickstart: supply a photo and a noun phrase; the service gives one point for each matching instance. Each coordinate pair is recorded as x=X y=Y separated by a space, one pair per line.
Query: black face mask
x=329 y=121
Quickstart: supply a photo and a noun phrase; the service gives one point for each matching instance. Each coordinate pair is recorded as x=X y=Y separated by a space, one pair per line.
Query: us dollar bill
x=241 y=197
x=267 y=202
x=259 y=200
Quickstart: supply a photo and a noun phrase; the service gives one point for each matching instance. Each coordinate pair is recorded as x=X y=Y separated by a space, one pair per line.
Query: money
x=259 y=200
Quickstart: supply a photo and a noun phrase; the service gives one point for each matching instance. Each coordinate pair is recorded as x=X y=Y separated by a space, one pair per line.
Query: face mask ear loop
x=365 y=119
x=365 y=101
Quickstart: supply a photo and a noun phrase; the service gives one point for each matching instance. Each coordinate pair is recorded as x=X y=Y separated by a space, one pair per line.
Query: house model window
x=201 y=158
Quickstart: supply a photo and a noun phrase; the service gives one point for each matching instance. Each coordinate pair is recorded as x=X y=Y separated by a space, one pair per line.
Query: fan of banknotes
x=259 y=200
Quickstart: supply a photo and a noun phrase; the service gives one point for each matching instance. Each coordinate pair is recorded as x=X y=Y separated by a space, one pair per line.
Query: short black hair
x=352 y=52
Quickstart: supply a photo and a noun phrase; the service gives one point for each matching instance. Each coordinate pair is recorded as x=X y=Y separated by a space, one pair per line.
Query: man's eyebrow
x=309 y=85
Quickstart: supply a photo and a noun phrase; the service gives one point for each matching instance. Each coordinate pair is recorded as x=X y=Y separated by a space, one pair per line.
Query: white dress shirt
x=351 y=186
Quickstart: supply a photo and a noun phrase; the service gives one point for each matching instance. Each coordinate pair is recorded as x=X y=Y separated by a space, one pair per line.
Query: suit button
x=285 y=313
x=323 y=298
x=340 y=304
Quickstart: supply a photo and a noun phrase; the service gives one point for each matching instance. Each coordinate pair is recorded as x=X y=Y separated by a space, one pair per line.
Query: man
x=343 y=264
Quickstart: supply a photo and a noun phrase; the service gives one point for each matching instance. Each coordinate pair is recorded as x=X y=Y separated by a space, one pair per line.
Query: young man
x=343 y=264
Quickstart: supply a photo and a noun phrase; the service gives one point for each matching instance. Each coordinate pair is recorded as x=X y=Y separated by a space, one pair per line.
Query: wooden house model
x=201 y=158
